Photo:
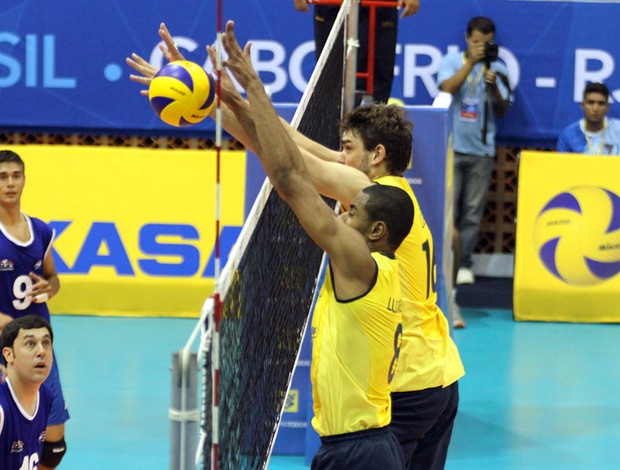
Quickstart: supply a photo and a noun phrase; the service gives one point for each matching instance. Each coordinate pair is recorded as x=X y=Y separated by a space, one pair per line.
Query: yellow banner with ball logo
x=567 y=264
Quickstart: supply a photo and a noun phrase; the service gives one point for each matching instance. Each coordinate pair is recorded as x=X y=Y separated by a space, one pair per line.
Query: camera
x=491 y=52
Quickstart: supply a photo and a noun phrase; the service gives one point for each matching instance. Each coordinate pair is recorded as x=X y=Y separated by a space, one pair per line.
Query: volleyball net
x=267 y=289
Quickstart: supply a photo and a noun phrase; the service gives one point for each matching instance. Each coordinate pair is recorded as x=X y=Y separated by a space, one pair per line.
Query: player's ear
x=7 y=353
x=379 y=153
x=377 y=231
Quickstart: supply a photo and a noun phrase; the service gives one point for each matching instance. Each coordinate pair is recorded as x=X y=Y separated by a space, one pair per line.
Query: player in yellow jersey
x=377 y=146
x=377 y=140
x=357 y=322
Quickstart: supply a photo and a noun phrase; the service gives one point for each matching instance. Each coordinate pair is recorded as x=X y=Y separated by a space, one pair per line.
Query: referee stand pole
x=183 y=411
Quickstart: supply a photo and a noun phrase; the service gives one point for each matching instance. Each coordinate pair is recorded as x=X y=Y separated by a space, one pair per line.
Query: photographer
x=479 y=98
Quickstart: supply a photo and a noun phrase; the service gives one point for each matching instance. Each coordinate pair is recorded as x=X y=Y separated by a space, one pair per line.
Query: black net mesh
x=267 y=305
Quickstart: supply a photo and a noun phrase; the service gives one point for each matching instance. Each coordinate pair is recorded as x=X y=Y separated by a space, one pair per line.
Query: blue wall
x=62 y=67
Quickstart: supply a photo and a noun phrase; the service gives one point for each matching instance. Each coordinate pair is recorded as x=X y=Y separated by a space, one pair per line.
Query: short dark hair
x=393 y=206
x=383 y=124
x=596 y=87
x=27 y=322
x=482 y=24
x=8 y=156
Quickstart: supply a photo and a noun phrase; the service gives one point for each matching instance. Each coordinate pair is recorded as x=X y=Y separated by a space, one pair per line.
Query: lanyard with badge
x=470 y=103
x=601 y=143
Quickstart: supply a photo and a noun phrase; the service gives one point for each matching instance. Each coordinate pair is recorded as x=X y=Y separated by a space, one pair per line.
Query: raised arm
x=330 y=178
x=283 y=163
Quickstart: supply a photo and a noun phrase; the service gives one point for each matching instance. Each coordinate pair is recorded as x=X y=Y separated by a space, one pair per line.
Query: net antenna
x=183 y=412
x=251 y=329
x=216 y=313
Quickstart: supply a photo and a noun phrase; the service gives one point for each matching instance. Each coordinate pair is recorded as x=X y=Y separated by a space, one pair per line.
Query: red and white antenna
x=217 y=307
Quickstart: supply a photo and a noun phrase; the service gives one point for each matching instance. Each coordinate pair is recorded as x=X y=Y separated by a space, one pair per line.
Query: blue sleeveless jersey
x=21 y=435
x=17 y=259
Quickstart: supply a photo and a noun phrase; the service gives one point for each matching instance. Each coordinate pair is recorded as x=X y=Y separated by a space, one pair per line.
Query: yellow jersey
x=428 y=357
x=355 y=347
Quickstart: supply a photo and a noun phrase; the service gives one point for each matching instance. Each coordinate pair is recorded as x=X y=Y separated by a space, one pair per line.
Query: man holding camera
x=480 y=96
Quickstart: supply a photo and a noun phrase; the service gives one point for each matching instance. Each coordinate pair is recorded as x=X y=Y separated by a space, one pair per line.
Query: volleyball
x=182 y=93
x=577 y=235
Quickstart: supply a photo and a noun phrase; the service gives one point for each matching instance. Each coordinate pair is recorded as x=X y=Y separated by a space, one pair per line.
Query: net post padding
x=267 y=287
x=183 y=411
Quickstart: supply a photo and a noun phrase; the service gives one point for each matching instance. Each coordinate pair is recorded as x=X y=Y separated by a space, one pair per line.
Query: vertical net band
x=267 y=289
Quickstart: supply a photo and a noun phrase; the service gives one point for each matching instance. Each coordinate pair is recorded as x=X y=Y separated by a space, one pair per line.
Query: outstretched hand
x=169 y=47
x=146 y=70
x=238 y=62
x=228 y=91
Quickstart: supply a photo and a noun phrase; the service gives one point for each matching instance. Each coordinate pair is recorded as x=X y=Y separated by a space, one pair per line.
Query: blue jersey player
x=25 y=402
x=27 y=280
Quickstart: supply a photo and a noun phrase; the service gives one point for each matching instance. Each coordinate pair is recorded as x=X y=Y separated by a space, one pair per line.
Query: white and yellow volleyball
x=182 y=93
x=577 y=235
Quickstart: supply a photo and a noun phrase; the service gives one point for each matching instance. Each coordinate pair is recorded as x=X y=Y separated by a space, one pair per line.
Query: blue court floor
x=536 y=395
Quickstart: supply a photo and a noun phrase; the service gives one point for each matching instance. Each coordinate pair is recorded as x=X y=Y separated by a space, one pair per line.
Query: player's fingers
x=225 y=44
x=133 y=64
x=134 y=57
x=164 y=34
x=230 y=28
x=169 y=48
x=232 y=48
x=140 y=65
x=233 y=44
x=211 y=54
x=228 y=38
x=247 y=49
x=166 y=37
x=138 y=59
x=140 y=79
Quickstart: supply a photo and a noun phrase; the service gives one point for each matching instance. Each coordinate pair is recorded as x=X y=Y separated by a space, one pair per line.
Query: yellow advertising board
x=567 y=263
x=135 y=228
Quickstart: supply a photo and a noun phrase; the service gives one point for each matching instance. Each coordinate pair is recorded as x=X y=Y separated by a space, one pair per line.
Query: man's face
x=354 y=154
x=357 y=216
x=12 y=180
x=31 y=356
x=595 y=107
x=476 y=41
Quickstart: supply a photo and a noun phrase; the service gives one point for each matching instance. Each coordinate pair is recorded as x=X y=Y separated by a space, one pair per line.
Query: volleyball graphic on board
x=577 y=235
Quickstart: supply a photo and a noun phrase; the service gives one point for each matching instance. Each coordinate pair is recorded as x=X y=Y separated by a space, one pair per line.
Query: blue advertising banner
x=62 y=61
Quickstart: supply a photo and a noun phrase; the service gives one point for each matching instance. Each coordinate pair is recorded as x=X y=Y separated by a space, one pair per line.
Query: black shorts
x=372 y=449
x=422 y=421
